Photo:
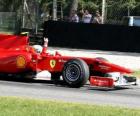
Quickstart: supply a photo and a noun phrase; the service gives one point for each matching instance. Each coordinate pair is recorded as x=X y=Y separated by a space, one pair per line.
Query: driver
x=40 y=49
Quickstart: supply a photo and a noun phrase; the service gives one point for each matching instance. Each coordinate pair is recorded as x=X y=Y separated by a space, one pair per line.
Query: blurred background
x=17 y=14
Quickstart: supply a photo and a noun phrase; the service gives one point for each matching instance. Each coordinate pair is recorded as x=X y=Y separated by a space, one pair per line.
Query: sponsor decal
x=62 y=61
x=104 y=67
x=20 y=62
x=52 y=63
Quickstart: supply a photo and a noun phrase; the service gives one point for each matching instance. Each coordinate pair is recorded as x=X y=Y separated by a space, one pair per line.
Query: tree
x=9 y=5
x=74 y=6
x=129 y=5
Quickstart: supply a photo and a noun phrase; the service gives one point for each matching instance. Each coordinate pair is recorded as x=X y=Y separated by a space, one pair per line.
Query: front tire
x=75 y=73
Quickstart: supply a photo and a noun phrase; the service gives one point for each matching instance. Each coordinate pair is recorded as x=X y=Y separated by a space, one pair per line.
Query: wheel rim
x=72 y=72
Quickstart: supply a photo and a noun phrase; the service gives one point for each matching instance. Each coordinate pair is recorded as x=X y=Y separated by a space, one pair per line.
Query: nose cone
x=106 y=67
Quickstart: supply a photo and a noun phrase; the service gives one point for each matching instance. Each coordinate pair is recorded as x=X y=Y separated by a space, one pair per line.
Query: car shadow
x=107 y=88
x=27 y=80
x=59 y=83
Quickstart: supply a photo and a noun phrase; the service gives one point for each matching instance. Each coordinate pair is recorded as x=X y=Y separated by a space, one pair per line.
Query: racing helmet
x=38 y=48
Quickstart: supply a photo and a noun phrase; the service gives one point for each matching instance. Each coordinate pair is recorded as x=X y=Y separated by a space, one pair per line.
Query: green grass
x=136 y=73
x=12 y=106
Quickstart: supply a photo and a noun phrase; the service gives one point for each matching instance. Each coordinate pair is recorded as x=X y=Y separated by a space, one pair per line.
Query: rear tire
x=75 y=73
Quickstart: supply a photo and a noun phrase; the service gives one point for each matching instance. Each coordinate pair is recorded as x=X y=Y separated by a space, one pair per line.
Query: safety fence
x=7 y=22
x=115 y=10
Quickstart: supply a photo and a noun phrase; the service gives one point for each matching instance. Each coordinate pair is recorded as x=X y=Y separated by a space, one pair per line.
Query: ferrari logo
x=52 y=63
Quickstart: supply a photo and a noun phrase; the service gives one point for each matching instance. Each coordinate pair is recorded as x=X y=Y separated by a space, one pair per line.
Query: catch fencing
x=115 y=10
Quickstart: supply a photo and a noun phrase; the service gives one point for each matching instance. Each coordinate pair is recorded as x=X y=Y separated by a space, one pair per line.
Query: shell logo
x=20 y=62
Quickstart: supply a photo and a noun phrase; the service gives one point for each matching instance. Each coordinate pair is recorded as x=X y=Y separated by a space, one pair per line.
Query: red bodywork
x=16 y=55
x=11 y=47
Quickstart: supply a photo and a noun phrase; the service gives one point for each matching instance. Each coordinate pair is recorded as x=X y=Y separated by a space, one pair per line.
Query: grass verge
x=136 y=73
x=13 y=106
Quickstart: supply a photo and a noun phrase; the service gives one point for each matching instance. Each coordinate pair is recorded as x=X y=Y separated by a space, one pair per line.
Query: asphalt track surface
x=40 y=89
x=124 y=97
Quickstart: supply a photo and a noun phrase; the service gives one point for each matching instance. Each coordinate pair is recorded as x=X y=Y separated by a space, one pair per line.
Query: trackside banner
x=93 y=36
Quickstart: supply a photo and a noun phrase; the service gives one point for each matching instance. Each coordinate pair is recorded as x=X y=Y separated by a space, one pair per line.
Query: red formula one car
x=17 y=57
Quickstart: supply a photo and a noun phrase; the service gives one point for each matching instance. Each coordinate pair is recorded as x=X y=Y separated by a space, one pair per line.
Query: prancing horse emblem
x=52 y=63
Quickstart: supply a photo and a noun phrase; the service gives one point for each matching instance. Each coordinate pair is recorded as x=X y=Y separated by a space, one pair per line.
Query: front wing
x=111 y=82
